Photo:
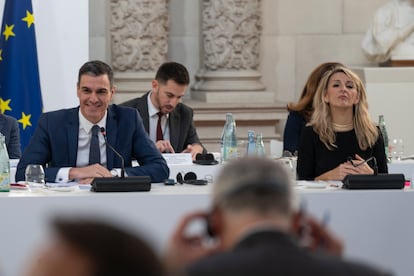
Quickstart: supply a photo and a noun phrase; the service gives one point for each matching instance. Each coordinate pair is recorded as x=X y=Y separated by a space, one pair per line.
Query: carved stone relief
x=139 y=33
x=231 y=34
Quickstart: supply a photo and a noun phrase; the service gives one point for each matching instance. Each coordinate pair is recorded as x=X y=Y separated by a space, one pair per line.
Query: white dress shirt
x=84 y=141
x=153 y=120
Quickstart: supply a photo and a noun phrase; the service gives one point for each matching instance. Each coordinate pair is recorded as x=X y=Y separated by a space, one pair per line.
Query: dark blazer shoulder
x=184 y=109
x=141 y=105
x=8 y=119
x=119 y=109
x=61 y=112
x=255 y=255
x=137 y=102
x=59 y=117
x=9 y=127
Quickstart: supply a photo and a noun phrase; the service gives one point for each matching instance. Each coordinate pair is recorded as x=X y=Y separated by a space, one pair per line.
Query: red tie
x=160 y=136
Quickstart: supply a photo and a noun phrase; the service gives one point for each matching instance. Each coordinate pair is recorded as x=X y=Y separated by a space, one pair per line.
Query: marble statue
x=391 y=34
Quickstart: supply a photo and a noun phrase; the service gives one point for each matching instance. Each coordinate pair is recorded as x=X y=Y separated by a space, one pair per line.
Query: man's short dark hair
x=254 y=183
x=172 y=71
x=96 y=68
x=112 y=251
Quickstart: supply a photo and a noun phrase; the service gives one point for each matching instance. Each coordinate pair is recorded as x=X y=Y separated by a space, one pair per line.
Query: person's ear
x=154 y=85
x=78 y=90
x=357 y=99
x=325 y=97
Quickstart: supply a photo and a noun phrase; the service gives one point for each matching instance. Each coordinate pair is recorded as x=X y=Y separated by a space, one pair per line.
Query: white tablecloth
x=375 y=225
x=406 y=167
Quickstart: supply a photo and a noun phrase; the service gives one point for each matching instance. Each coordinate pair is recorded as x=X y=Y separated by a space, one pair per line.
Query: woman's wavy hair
x=304 y=106
x=321 y=121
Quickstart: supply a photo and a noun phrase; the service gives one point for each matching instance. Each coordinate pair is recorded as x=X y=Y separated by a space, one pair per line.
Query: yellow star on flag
x=29 y=19
x=4 y=105
x=25 y=120
x=8 y=32
x=1 y=52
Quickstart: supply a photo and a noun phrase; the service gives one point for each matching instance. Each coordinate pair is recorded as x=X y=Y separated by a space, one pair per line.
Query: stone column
x=231 y=31
x=138 y=42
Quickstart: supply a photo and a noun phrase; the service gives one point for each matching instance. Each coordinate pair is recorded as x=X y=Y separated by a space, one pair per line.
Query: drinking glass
x=290 y=164
x=241 y=148
x=397 y=149
x=35 y=176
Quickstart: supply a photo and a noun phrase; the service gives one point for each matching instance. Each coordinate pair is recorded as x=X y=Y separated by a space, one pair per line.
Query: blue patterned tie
x=94 y=150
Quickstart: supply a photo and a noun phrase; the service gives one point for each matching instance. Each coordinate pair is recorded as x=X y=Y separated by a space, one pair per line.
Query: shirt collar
x=86 y=125
x=152 y=110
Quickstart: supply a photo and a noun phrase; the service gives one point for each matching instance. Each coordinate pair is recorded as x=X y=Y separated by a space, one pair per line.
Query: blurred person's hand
x=183 y=248
x=315 y=236
x=164 y=146
x=194 y=149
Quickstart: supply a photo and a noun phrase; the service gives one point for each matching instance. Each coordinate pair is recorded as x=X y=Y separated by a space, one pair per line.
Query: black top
x=270 y=253
x=293 y=129
x=315 y=158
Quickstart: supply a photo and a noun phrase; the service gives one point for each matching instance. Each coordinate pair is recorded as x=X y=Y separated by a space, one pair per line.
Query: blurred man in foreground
x=168 y=122
x=256 y=231
x=90 y=248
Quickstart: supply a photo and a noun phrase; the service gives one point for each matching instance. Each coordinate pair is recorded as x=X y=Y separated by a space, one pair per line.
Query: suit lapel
x=2 y=122
x=143 y=110
x=72 y=134
x=111 y=130
x=174 y=123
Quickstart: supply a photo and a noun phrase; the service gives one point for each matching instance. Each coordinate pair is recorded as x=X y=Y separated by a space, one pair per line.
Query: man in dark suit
x=169 y=122
x=256 y=230
x=10 y=129
x=71 y=142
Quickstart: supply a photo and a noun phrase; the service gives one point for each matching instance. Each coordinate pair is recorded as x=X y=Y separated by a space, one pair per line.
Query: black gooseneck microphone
x=120 y=184
x=103 y=131
x=375 y=181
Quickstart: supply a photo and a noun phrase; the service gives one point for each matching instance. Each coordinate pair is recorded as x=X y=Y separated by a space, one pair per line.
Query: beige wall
x=297 y=36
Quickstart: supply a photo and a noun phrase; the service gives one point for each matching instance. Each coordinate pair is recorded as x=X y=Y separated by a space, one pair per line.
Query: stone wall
x=297 y=35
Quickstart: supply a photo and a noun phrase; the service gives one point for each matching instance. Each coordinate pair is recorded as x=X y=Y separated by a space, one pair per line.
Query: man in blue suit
x=70 y=142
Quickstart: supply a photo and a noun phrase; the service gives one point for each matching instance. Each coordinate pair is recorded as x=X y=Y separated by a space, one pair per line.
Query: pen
x=359 y=164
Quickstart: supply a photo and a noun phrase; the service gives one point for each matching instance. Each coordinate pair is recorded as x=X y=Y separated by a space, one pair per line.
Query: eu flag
x=20 y=94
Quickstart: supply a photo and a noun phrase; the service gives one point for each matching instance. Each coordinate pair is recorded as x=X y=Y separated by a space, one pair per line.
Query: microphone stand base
x=119 y=184
x=370 y=181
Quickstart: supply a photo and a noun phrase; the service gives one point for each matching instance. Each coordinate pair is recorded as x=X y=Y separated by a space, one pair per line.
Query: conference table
x=376 y=225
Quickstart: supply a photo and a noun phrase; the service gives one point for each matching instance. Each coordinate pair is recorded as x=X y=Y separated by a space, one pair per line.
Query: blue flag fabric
x=20 y=94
